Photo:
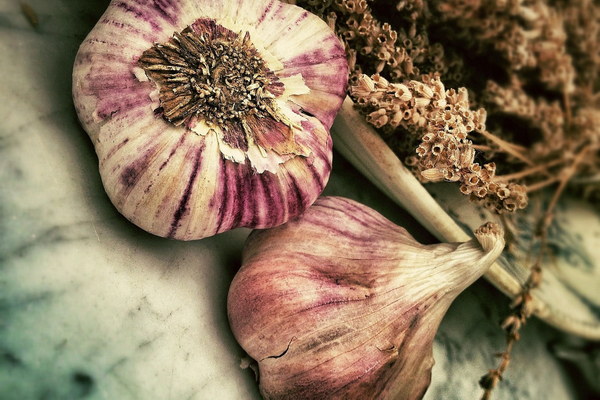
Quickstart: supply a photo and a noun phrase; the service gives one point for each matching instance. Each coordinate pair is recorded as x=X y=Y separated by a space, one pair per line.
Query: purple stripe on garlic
x=191 y=143
x=340 y=303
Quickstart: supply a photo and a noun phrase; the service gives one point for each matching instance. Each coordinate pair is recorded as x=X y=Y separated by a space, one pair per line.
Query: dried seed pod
x=208 y=116
x=343 y=304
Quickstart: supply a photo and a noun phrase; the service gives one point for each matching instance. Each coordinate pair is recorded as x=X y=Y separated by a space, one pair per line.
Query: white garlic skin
x=178 y=183
x=340 y=303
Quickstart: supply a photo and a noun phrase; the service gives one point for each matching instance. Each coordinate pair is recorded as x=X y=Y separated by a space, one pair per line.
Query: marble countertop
x=93 y=307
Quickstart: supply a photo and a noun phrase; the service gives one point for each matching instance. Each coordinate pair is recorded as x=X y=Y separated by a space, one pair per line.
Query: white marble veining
x=92 y=307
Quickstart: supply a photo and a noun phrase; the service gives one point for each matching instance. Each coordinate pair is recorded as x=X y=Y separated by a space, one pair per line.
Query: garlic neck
x=461 y=264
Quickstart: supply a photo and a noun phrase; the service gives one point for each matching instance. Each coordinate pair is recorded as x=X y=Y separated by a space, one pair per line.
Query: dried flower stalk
x=522 y=305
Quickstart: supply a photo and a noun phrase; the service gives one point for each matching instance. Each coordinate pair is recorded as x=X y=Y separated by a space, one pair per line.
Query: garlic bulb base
x=209 y=72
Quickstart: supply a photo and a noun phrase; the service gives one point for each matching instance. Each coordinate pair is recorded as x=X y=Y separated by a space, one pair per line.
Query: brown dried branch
x=522 y=304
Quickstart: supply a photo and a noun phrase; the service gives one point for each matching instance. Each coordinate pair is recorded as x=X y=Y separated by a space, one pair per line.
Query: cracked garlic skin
x=341 y=303
x=210 y=115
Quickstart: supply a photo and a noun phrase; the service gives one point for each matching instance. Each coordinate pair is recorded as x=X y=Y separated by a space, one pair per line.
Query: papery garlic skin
x=190 y=181
x=340 y=303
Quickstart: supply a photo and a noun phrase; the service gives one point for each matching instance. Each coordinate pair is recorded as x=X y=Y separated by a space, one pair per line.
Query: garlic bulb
x=343 y=304
x=210 y=115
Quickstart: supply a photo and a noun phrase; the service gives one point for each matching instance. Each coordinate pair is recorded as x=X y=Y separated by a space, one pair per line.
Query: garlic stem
x=485 y=248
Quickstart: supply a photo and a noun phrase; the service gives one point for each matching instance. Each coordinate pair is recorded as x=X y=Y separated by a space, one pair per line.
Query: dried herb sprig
x=375 y=47
x=522 y=305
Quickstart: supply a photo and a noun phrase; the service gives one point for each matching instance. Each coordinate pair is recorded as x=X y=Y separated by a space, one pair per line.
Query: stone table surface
x=93 y=307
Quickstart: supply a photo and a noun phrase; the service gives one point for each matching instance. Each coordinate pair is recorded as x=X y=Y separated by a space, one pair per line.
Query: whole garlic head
x=340 y=303
x=210 y=115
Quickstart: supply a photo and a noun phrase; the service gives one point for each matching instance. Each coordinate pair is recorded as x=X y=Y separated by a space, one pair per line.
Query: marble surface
x=92 y=307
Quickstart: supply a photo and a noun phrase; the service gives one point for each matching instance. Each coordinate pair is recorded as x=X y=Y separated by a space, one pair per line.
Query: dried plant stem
x=482 y=147
x=566 y=176
x=567 y=105
x=522 y=305
x=542 y=184
x=510 y=148
x=594 y=179
x=530 y=171
x=522 y=308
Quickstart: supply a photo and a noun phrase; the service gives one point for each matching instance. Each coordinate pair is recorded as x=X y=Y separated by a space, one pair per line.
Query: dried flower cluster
x=527 y=35
x=442 y=120
x=541 y=97
x=437 y=122
x=560 y=135
x=373 y=46
x=546 y=116
x=533 y=66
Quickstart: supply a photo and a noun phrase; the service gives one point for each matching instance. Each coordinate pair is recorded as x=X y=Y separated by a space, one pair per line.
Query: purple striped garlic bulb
x=340 y=303
x=210 y=115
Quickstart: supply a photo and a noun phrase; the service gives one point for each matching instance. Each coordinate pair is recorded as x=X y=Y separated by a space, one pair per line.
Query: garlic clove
x=340 y=303
x=158 y=86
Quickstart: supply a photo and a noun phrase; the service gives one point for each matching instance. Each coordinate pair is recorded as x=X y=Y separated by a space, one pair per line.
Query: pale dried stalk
x=529 y=171
x=534 y=187
x=510 y=148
